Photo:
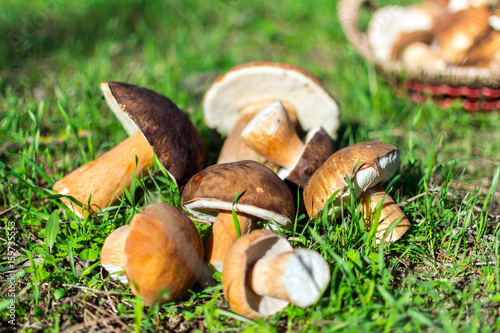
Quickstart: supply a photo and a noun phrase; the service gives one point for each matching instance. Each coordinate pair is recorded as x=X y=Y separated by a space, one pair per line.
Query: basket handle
x=348 y=16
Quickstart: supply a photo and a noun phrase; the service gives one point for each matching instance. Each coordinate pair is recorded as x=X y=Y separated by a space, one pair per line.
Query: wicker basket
x=477 y=89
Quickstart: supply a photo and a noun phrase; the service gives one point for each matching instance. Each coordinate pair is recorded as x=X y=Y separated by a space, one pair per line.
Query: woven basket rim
x=348 y=12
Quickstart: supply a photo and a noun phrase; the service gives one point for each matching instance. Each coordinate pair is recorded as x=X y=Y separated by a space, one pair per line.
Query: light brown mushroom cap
x=262 y=193
x=255 y=82
x=365 y=164
x=163 y=253
x=457 y=32
x=486 y=53
x=390 y=213
x=240 y=257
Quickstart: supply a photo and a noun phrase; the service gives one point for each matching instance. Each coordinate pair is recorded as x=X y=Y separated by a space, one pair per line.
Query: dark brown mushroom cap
x=244 y=252
x=163 y=251
x=262 y=193
x=174 y=138
x=365 y=164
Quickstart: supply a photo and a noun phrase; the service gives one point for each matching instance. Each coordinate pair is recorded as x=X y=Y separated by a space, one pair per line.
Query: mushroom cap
x=268 y=81
x=163 y=251
x=457 y=32
x=486 y=53
x=244 y=252
x=174 y=138
x=262 y=193
x=365 y=163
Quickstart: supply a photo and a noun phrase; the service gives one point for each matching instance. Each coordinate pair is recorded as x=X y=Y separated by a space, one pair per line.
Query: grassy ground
x=442 y=276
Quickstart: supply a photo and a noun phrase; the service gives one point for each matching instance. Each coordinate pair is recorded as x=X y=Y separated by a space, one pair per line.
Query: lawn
x=443 y=275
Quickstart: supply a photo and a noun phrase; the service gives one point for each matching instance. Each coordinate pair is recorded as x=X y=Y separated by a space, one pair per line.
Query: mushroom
x=456 y=33
x=419 y=54
x=263 y=274
x=272 y=135
x=235 y=97
x=365 y=164
x=390 y=213
x=486 y=53
x=390 y=22
x=161 y=253
x=157 y=126
x=250 y=189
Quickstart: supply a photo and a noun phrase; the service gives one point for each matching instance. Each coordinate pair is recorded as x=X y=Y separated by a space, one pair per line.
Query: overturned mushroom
x=157 y=126
x=235 y=97
x=365 y=164
x=263 y=274
x=272 y=134
x=248 y=188
x=161 y=254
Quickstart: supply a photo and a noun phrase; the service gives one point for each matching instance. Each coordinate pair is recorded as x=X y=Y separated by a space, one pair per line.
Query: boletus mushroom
x=456 y=33
x=161 y=253
x=156 y=126
x=365 y=164
x=263 y=274
x=250 y=189
x=238 y=95
x=272 y=134
x=390 y=214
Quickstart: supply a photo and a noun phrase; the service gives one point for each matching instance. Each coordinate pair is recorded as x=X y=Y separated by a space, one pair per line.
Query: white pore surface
x=389 y=22
x=306 y=277
x=113 y=269
x=127 y=123
x=256 y=83
x=207 y=210
x=367 y=178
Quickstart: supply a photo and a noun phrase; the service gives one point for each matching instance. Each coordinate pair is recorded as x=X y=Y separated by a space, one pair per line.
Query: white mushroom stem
x=273 y=135
x=105 y=177
x=223 y=236
x=298 y=276
x=234 y=148
x=390 y=213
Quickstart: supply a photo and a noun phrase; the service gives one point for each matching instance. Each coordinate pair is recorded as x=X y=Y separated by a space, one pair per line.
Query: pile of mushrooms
x=434 y=34
x=281 y=125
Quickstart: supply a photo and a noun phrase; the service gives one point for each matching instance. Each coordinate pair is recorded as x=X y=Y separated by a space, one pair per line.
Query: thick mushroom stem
x=272 y=134
x=224 y=234
x=105 y=177
x=235 y=149
x=298 y=276
x=390 y=213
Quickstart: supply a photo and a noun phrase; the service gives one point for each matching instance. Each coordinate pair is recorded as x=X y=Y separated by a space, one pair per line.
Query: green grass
x=442 y=276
